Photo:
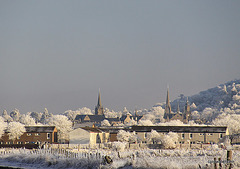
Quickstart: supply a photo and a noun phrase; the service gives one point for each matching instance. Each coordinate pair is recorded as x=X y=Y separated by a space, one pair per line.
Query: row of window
x=201 y=134
x=19 y=142
x=38 y=134
x=191 y=135
x=198 y=142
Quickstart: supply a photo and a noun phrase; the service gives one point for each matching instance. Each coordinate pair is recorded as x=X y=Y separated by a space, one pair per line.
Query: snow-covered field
x=84 y=158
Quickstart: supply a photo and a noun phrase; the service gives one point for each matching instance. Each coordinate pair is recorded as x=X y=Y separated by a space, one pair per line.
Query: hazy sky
x=57 y=54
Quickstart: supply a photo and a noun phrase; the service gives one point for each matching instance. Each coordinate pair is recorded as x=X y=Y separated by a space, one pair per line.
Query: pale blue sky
x=57 y=54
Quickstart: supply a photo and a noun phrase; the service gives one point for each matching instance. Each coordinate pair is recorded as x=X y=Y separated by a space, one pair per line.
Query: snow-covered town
x=192 y=137
x=140 y=84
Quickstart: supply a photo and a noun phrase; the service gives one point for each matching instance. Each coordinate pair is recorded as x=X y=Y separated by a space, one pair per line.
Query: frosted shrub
x=145 y=123
x=105 y=123
x=119 y=146
x=169 y=140
x=27 y=120
x=63 y=125
x=153 y=137
x=123 y=136
x=15 y=130
x=3 y=126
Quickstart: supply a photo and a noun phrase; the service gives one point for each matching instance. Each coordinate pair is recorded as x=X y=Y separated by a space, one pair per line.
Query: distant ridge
x=225 y=95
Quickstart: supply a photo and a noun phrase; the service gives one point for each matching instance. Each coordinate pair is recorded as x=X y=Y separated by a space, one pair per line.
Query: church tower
x=187 y=112
x=167 y=108
x=99 y=108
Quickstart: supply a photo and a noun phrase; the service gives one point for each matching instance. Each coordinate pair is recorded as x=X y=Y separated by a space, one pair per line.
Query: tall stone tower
x=187 y=112
x=99 y=108
x=167 y=107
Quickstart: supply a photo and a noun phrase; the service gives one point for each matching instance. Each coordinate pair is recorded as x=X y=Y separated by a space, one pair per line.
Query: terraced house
x=33 y=135
x=187 y=134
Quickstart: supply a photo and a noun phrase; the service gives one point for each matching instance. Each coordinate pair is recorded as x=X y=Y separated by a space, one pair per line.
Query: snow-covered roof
x=181 y=129
x=39 y=129
x=92 y=129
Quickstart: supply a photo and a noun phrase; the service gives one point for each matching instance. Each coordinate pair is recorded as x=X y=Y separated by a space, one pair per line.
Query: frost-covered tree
x=36 y=116
x=208 y=114
x=156 y=112
x=195 y=115
x=232 y=121
x=45 y=116
x=172 y=123
x=145 y=123
x=6 y=117
x=27 y=120
x=112 y=114
x=153 y=137
x=63 y=125
x=133 y=137
x=123 y=136
x=105 y=123
x=169 y=140
x=119 y=146
x=15 y=114
x=71 y=115
x=3 y=126
x=15 y=130
x=125 y=111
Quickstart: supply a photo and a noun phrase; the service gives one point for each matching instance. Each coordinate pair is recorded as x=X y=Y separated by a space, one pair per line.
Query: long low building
x=187 y=134
x=33 y=135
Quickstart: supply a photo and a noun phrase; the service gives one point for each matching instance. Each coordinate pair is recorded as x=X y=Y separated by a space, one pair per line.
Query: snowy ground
x=57 y=159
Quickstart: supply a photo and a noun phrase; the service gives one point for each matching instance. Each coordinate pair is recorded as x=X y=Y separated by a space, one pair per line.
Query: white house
x=88 y=135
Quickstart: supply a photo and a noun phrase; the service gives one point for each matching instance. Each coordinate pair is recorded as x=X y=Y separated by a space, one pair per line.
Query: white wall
x=79 y=136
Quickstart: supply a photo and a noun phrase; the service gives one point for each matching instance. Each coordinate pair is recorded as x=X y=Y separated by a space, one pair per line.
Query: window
x=29 y=134
x=183 y=136
x=145 y=135
x=48 y=135
x=37 y=134
x=210 y=134
x=201 y=134
x=27 y=142
x=190 y=135
x=220 y=135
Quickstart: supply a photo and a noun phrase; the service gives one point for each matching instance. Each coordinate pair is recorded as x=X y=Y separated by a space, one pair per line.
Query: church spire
x=99 y=108
x=167 y=107
x=99 y=99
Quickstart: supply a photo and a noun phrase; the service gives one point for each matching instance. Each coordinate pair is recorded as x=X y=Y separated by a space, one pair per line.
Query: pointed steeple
x=167 y=107
x=99 y=99
x=99 y=108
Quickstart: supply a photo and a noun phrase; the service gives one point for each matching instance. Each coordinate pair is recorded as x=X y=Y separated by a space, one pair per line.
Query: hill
x=224 y=96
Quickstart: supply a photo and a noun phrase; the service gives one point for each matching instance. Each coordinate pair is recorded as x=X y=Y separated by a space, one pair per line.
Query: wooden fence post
x=215 y=163
x=220 y=162
x=229 y=158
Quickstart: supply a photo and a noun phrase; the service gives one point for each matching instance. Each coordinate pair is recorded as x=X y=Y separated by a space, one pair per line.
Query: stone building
x=186 y=134
x=169 y=115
